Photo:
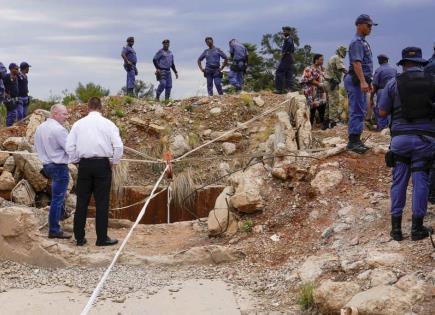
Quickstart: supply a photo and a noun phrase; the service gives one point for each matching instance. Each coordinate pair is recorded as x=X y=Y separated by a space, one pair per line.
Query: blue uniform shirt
x=238 y=51
x=390 y=100
x=130 y=53
x=430 y=67
x=212 y=57
x=164 y=59
x=359 y=50
x=383 y=74
x=288 y=46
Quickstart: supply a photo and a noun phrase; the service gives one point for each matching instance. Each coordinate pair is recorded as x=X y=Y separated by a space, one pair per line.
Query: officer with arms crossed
x=409 y=100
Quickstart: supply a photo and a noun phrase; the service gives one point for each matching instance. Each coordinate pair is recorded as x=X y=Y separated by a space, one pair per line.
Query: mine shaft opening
x=130 y=197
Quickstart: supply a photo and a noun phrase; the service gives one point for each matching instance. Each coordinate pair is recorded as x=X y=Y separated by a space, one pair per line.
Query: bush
x=85 y=92
x=306 y=298
x=247 y=225
x=68 y=97
x=35 y=104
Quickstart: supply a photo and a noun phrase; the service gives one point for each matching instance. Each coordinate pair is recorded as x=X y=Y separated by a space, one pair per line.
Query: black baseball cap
x=24 y=65
x=13 y=65
x=365 y=19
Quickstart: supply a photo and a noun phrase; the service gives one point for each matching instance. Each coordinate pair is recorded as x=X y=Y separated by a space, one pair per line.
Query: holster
x=11 y=103
x=158 y=75
x=391 y=159
x=355 y=79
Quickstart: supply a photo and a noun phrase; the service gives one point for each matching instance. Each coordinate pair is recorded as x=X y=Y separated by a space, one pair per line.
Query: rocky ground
x=316 y=223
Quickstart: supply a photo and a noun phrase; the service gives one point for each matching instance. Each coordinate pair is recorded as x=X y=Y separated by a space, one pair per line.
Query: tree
x=141 y=89
x=85 y=92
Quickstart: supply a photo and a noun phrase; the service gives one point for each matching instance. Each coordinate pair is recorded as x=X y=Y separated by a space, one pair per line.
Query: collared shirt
x=164 y=59
x=130 y=53
x=288 y=46
x=311 y=91
x=23 y=85
x=238 y=52
x=390 y=100
x=359 y=50
x=383 y=74
x=50 y=141
x=94 y=136
x=212 y=57
x=335 y=68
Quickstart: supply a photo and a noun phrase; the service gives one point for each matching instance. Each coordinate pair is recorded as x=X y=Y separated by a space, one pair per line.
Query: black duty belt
x=413 y=133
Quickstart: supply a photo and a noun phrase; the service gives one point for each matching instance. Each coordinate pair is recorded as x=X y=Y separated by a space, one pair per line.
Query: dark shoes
x=81 y=242
x=356 y=145
x=396 y=228
x=418 y=230
x=107 y=242
x=61 y=235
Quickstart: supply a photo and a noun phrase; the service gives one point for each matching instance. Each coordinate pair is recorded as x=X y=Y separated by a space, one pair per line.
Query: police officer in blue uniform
x=430 y=67
x=284 y=72
x=358 y=82
x=130 y=60
x=239 y=63
x=164 y=62
x=409 y=99
x=382 y=75
x=3 y=72
x=213 y=69
x=23 y=89
x=12 y=100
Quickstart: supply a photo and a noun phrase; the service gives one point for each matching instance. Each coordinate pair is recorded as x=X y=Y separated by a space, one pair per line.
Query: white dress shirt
x=50 y=141
x=94 y=136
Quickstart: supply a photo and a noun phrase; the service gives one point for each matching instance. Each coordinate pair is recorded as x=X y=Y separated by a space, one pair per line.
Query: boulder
x=7 y=181
x=387 y=259
x=381 y=300
x=23 y=193
x=179 y=146
x=221 y=219
x=216 y=111
x=3 y=157
x=332 y=142
x=331 y=296
x=382 y=277
x=247 y=185
x=258 y=101
x=229 y=148
x=9 y=164
x=232 y=137
x=17 y=144
x=224 y=168
x=20 y=241
x=327 y=179
x=300 y=119
x=30 y=166
x=37 y=118
x=71 y=202
x=73 y=171
x=315 y=266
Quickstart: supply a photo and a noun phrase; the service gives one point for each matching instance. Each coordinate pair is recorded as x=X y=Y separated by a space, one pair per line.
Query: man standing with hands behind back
x=358 y=82
x=95 y=144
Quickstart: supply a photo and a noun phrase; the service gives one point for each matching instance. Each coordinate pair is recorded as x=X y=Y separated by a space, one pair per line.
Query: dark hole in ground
x=156 y=212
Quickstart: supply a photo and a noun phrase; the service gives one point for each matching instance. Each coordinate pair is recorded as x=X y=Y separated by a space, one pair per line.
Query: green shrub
x=306 y=298
x=85 y=92
x=35 y=104
x=118 y=113
x=247 y=225
x=128 y=99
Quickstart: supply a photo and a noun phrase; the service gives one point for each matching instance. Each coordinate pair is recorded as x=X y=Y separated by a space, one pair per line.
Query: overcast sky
x=71 y=41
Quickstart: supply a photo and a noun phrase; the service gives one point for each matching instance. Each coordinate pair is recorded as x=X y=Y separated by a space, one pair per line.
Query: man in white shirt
x=50 y=140
x=95 y=144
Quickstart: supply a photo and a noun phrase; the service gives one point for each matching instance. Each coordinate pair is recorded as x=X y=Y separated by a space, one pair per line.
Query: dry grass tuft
x=119 y=179
x=183 y=187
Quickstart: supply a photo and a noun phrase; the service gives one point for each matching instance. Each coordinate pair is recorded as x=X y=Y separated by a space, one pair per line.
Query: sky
x=67 y=42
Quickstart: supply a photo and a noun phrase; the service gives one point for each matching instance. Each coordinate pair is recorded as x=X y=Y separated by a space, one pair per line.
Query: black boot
x=361 y=144
x=418 y=230
x=130 y=92
x=396 y=228
x=325 y=124
x=354 y=145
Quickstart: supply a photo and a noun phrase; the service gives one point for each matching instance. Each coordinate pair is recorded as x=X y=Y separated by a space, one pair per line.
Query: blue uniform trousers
x=284 y=74
x=59 y=175
x=13 y=115
x=419 y=149
x=165 y=83
x=131 y=76
x=381 y=122
x=357 y=106
x=236 y=79
x=25 y=105
x=213 y=75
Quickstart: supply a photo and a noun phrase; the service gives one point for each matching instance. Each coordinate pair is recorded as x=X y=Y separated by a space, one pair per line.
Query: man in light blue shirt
x=50 y=141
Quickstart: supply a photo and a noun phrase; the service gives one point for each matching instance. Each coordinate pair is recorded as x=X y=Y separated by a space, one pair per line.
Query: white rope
x=267 y=112
x=118 y=253
x=125 y=160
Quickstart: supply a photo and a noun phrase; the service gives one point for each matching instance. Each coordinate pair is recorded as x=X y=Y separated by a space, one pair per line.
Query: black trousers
x=321 y=109
x=94 y=177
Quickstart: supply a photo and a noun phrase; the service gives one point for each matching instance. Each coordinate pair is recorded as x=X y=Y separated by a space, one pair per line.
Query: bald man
x=50 y=141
